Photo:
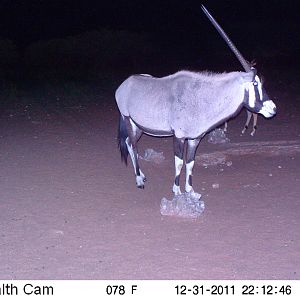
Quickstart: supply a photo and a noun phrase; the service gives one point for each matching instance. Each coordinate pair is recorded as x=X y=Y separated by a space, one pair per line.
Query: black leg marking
x=134 y=134
x=178 y=145
x=190 y=160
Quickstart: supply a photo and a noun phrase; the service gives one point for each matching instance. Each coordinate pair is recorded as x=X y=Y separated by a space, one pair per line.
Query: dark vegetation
x=93 y=61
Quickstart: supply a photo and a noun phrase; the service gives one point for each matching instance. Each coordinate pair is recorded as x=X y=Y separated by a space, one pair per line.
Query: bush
x=88 y=54
x=8 y=53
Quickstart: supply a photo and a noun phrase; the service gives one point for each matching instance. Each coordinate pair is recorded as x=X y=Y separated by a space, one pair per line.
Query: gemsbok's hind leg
x=134 y=134
x=178 y=145
x=190 y=161
x=249 y=115
x=254 y=124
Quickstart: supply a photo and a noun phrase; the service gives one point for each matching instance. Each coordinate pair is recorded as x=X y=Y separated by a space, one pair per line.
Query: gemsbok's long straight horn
x=234 y=49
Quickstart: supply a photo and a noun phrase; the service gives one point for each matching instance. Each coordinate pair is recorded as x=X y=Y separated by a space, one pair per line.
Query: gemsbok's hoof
x=176 y=190
x=140 y=182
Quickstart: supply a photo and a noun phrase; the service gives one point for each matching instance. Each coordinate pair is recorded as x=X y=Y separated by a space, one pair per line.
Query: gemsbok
x=185 y=105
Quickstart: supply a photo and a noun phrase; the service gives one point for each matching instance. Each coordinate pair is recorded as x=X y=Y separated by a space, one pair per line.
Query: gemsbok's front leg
x=178 y=145
x=190 y=161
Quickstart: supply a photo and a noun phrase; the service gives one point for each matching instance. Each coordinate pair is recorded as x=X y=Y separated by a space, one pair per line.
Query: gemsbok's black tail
x=122 y=136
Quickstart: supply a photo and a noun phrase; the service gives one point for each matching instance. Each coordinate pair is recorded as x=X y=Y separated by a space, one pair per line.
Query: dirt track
x=70 y=209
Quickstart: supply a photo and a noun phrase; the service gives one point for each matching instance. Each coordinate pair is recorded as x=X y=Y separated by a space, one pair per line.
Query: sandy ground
x=70 y=209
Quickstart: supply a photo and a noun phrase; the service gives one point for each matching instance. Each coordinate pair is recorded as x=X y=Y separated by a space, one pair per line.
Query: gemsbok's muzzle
x=268 y=109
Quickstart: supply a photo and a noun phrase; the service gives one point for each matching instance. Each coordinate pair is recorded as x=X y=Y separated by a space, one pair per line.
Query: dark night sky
x=26 y=21
x=179 y=30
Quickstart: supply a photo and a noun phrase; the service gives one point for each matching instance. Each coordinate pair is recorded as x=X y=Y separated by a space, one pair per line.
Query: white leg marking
x=129 y=147
x=176 y=189
x=139 y=181
x=178 y=167
x=189 y=170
